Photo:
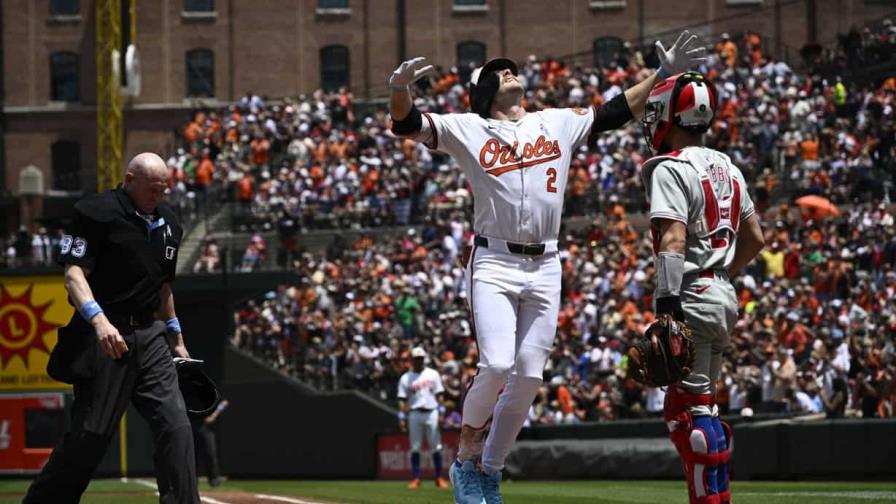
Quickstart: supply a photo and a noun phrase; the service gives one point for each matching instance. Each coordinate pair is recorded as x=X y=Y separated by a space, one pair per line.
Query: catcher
x=704 y=231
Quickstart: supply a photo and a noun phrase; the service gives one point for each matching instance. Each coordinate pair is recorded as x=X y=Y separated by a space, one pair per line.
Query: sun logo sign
x=22 y=326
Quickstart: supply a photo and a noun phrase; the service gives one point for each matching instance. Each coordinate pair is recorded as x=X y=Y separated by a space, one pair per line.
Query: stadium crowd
x=818 y=325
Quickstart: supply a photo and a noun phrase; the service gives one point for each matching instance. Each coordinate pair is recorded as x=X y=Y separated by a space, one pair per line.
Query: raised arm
x=684 y=55
x=615 y=113
x=400 y=103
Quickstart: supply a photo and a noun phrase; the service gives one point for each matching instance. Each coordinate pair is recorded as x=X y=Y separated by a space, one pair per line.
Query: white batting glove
x=681 y=57
x=409 y=72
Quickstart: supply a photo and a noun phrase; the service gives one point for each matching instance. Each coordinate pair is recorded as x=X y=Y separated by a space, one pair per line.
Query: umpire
x=120 y=259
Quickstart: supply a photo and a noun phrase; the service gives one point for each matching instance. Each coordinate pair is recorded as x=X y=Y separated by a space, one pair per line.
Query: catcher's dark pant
x=146 y=376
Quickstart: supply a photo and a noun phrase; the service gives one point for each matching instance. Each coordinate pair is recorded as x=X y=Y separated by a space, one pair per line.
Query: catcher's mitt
x=665 y=355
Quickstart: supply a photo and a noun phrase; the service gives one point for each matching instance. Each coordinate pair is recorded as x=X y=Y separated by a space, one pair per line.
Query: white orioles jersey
x=517 y=169
x=701 y=188
x=421 y=389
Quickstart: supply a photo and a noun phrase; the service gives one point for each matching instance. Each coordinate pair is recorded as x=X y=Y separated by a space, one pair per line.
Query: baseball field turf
x=535 y=492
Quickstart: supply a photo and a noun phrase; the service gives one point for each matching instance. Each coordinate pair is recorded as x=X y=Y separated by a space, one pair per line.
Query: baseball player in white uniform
x=517 y=164
x=420 y=393
x=705 y=230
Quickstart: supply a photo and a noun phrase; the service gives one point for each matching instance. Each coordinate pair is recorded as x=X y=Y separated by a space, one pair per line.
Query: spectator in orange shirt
x=260 y=147
x=727 y=49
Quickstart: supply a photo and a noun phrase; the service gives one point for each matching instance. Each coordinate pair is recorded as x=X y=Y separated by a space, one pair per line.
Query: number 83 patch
x=75 y=245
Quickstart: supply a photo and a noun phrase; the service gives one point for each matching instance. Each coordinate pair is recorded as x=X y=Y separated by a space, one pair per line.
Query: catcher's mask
x=200 y=394
x=686 y=100
x=484 y=84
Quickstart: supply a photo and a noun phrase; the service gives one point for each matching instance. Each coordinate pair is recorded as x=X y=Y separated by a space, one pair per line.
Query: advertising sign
x=31 y=310
x=394 y=456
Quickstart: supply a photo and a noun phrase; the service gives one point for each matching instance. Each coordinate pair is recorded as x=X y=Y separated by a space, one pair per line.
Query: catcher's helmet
x=484 y=83
x=686 y=100
x=199 y=391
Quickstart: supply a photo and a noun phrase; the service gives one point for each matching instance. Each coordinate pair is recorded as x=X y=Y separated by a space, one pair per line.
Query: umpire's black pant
x=146 y=376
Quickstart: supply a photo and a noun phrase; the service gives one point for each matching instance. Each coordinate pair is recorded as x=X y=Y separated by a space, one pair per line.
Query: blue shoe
x=465 y=480
x=489 y=482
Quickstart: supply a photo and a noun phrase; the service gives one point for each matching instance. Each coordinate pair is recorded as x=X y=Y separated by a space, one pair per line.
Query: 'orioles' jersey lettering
x=701 y=188
x=517 y=169
x=541 y=152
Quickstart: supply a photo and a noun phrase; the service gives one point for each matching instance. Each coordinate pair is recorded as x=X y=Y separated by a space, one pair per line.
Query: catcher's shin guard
x=724 y=444
x=696 y=441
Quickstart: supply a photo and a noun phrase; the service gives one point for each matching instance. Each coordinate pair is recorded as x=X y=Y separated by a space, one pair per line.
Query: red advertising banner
x=29 y=426
x=394 y=456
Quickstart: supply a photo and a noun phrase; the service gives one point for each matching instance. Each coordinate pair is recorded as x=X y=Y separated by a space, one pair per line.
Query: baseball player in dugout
x=119 y=263
x=516 y=163
x=421 y=411
x=704 y=231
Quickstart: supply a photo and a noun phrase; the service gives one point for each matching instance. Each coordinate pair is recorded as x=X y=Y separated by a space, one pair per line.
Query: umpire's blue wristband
x=89 y=310
x=172 y=326
x=662 y=73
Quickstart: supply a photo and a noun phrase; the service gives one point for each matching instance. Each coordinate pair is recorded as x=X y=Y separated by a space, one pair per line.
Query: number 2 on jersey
x=552 y=179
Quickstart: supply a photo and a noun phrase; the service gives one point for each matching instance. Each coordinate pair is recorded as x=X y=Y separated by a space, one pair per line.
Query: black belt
x=130 y=320
x=424 y=410
x=531 y=249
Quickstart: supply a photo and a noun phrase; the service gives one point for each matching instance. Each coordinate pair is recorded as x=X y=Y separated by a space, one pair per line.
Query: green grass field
x=540 y=492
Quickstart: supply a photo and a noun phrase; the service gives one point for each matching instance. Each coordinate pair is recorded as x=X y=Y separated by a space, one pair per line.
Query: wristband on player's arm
x=172 y=326
x=89 y=310
x=441 y=410
x=402 y=416
x=410 y=124
x=612 y=114
x=662 y=73
x=669 y=273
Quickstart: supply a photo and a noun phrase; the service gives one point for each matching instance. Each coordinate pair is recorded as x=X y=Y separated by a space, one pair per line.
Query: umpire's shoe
x=466 y=482
x=489 y=482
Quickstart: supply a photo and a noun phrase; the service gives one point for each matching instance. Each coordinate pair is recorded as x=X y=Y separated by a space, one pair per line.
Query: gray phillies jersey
x=701 y=188
x=517 y=169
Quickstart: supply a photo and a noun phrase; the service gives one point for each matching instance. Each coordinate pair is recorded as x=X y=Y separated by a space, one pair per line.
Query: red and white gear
x=689 y=418
x=687 y=100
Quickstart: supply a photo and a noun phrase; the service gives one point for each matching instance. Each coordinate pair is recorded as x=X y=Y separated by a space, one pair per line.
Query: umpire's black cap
x=483 y=85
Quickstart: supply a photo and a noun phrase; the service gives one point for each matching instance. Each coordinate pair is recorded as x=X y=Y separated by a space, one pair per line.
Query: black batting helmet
x=484 y=83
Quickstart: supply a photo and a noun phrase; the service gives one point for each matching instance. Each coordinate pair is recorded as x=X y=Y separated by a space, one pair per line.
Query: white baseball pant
x=422 y=423
x=514 y=300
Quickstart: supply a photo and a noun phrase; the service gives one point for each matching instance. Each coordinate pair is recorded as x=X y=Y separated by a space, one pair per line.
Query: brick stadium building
x=213 y=51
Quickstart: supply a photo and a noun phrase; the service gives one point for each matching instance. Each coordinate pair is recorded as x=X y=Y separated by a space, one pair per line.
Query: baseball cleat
x=441 y=483
x=414 y=484
x=465 y=480
x=489 y=482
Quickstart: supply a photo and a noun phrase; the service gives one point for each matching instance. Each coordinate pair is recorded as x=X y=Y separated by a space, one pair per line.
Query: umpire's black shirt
x=130 y=255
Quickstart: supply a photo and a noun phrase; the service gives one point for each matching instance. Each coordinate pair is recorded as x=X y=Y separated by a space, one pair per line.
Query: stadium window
x=470 y=54
x=469 y=7
x=64 y=7
x=65 y=157
x=199 y=5
x=332 y=4
x=65 y=79
x=201 y=72
x=334 y=68
x=605 y=50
